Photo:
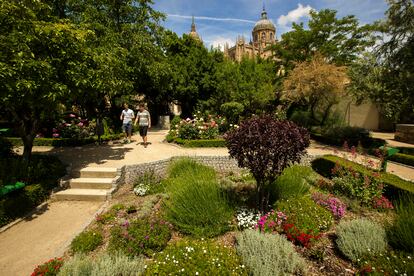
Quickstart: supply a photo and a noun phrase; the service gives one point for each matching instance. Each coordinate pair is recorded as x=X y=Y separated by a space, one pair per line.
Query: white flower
x=196 y=272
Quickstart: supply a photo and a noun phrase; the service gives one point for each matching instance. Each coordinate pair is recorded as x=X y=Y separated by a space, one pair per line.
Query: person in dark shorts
x=144 y=121
x=126 y=117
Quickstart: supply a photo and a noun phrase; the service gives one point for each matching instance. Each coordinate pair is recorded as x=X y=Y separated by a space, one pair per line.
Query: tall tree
x=316 y=84
x=340 y=40
x=37 y=57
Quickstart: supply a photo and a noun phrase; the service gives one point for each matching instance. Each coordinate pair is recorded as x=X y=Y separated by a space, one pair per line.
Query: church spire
x=193 y=26
x=264 y=13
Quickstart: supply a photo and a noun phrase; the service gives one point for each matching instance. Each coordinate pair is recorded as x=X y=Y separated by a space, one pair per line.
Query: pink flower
x=80 y=124
x=72 y=115
x=54 y=130
x=56 y=135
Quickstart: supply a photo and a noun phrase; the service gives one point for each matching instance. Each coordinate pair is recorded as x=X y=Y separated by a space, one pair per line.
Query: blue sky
x=220 y=21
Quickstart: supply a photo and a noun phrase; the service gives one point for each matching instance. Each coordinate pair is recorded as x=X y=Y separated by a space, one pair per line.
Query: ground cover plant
x=196 y=204
x=361 y=238
x=143 y=236
x=49 y=268
x=147 y=183
x=268 y=254
x=401 y=233
x=291 y=183
x=103 y=265
x=86 y=241
x=196 y=257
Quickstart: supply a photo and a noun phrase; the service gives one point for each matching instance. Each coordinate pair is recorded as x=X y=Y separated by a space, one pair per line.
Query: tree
x=340 y=40
x=36 y=57
x=266 y=147
x=386 y=76
x=317 y=85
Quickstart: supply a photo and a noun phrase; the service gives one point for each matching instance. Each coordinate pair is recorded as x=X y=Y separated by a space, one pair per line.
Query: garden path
x=48 y=233
x=43 y=235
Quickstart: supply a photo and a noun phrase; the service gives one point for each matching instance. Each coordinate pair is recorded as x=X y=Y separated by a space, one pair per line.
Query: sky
x=221 y=21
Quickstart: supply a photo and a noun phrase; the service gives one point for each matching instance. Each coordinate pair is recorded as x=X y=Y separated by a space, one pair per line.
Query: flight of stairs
x=94 y=184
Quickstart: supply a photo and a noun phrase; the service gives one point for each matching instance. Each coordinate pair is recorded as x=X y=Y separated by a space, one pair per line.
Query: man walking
x=144 y=121
x=126 y=117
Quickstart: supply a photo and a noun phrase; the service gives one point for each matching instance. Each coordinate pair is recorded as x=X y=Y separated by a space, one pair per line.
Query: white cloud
x=294 y=15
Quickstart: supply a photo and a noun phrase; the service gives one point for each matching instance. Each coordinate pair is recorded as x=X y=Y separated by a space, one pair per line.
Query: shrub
x=145 y=182
x=196 y=205
x=333 y=204
x=360 y=238
x=144 y=236
x=192 y=257
x=272 y=222
x=403 y=158
x=49 y=268
x=266 y=147
x=401 y=233
x=305 y=215
x=268 y=254
x=382 y=203
x=291 y=183
x=394 y=186
x=103 y=265
x=232 y=111
x=86 y=241
x=212 y=143
x=175 y=122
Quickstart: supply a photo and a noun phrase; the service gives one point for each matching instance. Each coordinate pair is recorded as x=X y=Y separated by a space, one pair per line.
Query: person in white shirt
x=126 y=117
x=144 y=121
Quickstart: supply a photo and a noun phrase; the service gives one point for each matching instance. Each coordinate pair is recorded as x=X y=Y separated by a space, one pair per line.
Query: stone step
x=91 y=183
x=82 y=195
x=93 y=172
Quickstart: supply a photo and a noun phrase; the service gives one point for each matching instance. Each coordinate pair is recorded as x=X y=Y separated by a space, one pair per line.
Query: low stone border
x=219 y=163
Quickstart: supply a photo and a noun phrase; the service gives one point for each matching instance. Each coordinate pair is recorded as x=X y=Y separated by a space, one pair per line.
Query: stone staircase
x=94 y=184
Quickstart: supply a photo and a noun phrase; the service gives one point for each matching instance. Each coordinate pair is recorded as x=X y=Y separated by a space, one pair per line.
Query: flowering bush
x=144 y=236
x=146 y=183
x=208 y=127
x=297 y=236
x=382 y=203
x=333 y=204
x=271 y=222
x=49 y=268
x=71 y=126
x=305 y=215
x=247 y=218
x=195 y=257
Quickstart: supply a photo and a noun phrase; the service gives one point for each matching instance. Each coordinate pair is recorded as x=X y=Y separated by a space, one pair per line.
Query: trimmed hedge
x=395 y=186
x=403 y=159
x=214 y=143
x=366 y=142
x=64 y=142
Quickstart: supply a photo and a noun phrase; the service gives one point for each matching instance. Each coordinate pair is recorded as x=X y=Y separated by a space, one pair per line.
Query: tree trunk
x=28 y=146
x=326 y=114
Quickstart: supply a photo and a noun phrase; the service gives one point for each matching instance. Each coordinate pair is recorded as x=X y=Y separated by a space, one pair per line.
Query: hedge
x=395 y=186
x=367 y=142
x=403 y=159
x=213 y=143
x=64 y=142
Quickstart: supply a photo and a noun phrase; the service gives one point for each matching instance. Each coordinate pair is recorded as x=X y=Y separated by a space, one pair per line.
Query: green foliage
x=103 y=265
x=269 y=254
x=390 y=263
x=66 y=142
x=394 y=186
x=232 y=111
x=195 y=257
x=360 y=238
x=401 y=232
x=291 y=183
x=403 y=159
x=147 y=183
x=49 y=268
x=86 y=241
x=196 y=205
x=175 y=122
x=143 y=236
x=211 y=143
x=307 y=216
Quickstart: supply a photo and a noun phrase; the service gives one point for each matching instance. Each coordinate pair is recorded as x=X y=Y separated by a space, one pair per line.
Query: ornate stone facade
x=264 y=35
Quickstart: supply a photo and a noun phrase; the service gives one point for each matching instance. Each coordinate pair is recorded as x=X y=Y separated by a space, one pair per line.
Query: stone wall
x=405 y=133
x=219 y=163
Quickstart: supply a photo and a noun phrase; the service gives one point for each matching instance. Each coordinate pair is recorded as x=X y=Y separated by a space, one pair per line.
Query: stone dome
x=264 y=23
